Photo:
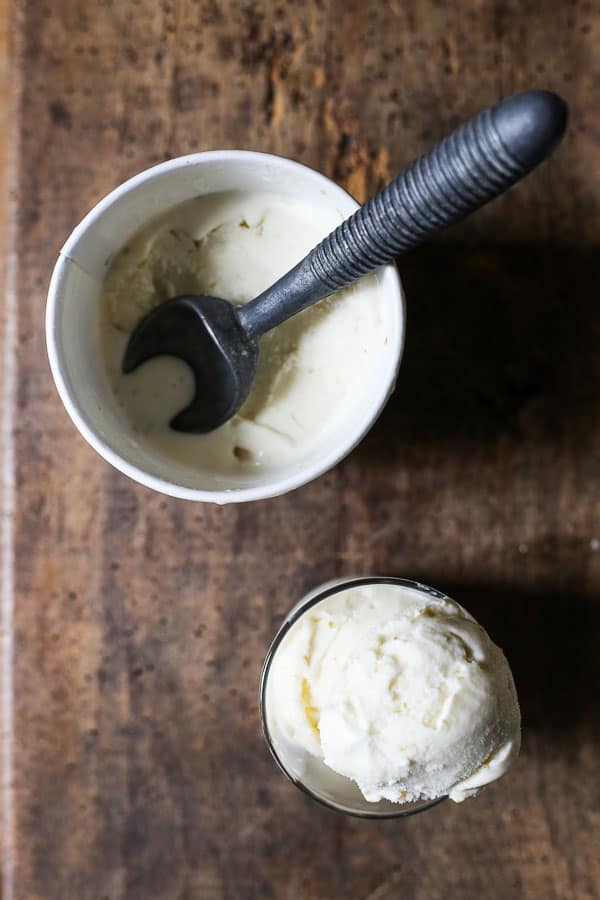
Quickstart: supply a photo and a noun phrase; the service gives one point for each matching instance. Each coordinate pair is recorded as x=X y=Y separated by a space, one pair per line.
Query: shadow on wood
x=500 y=343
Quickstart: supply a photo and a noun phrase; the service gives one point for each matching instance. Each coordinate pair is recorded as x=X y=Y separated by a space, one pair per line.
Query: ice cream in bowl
x=380 y=697
x=228 y=223
x=238 y=242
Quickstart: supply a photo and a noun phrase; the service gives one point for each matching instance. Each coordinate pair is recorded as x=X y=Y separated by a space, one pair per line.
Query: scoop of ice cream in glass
x=380 y=697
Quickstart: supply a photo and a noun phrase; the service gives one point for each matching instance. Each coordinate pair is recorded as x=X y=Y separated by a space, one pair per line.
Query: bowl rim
x=304 y=605
x=279 y=484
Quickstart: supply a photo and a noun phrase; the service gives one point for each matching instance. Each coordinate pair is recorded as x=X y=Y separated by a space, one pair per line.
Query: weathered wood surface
x=140 y=623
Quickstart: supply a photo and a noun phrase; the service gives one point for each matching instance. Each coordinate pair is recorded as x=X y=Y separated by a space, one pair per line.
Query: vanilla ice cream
x=235 y=245
x=396 y=689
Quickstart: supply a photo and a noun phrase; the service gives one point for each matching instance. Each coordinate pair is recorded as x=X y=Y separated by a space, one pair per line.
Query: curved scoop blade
x=205 y=333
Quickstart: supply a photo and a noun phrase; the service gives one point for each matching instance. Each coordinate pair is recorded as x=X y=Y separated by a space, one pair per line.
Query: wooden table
x=134 y=626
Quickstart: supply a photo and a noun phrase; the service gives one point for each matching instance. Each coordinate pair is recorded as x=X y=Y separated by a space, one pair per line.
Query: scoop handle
x=470 y=167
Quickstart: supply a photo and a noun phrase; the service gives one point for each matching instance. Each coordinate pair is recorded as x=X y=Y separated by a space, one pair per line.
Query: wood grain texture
x=8 y=104
x=140 y=623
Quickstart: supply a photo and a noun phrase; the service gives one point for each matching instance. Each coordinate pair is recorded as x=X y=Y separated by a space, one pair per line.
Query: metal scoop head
x=204 y=332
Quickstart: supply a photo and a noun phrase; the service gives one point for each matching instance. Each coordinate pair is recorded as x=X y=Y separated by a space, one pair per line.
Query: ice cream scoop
x=382 y=692
x=220 y=340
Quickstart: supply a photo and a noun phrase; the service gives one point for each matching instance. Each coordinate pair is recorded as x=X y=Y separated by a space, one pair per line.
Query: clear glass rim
x=328 y=590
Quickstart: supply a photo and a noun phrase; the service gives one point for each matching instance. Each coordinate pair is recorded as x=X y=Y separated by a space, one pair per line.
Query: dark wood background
x=140 y=623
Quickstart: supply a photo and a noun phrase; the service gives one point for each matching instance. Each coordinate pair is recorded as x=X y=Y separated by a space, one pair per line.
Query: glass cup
x=308 y=773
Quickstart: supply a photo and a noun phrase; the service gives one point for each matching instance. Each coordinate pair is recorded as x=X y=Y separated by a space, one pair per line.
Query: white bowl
x=72 y=318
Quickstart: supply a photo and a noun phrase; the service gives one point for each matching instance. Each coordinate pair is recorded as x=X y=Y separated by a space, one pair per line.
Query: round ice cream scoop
x=381 y=696
x=220 y=340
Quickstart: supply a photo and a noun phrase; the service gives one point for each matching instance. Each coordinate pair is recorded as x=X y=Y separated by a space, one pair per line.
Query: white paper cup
x=73 y=321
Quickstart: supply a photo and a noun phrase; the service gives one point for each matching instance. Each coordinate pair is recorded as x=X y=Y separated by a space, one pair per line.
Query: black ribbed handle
x=470 y=167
